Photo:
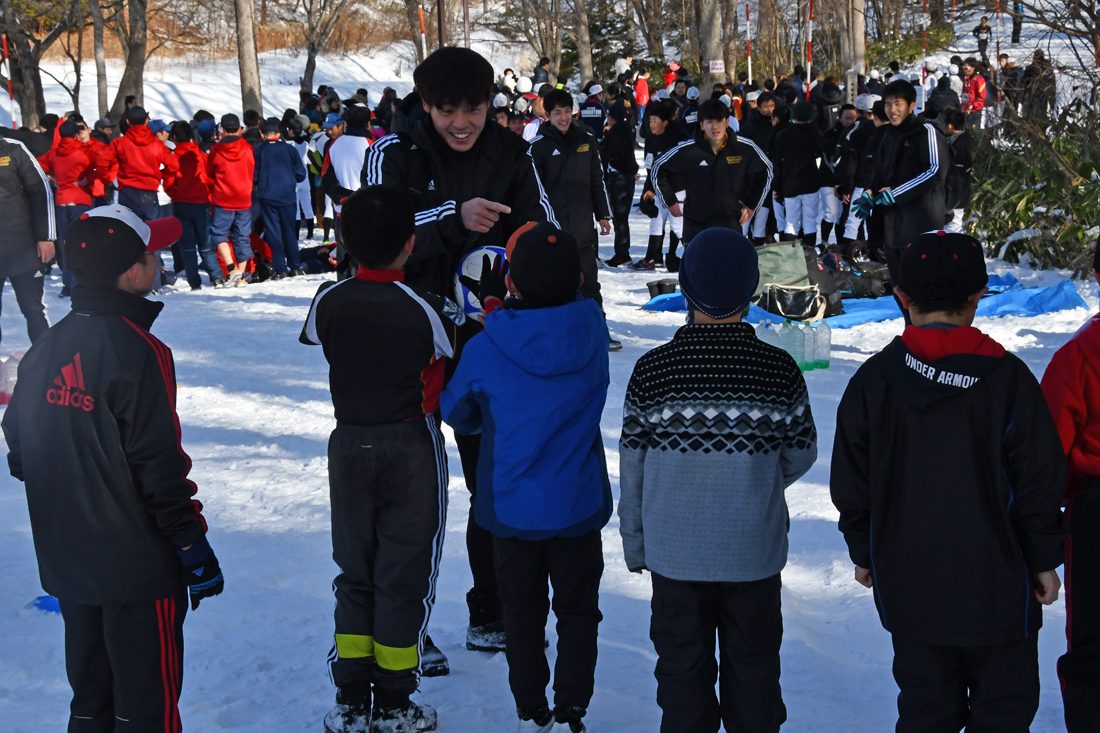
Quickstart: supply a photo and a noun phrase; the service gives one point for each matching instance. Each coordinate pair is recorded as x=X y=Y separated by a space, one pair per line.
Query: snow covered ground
x=255 y=411
x=256 y=414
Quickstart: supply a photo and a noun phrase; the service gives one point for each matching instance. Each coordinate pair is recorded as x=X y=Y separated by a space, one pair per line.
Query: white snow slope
x=255 y=411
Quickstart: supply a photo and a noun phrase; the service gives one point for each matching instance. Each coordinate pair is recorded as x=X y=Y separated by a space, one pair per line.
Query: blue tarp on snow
x=1013 y=300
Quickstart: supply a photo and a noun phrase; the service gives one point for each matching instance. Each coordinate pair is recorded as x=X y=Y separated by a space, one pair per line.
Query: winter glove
x=491 y=285
x=202 y=573
x=864 y=204
x=885 y=198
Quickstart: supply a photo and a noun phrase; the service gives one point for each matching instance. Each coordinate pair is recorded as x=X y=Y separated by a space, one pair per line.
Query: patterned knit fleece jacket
x=716 y=425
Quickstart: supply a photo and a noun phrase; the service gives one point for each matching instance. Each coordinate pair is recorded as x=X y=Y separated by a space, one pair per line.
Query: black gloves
x=202 y=573
x=491 y=284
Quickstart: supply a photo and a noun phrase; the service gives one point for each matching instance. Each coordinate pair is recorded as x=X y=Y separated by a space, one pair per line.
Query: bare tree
x=541 y=25
x=584 y=41
x=32 y=29
x=132 y=29
x=650 y=18
x=1078 y=20
x=318 y=19
x=100 y=53
x=709 y=14
x=247 y=56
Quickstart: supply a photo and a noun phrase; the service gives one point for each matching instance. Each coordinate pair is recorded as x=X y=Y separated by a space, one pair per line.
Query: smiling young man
x=472 y=184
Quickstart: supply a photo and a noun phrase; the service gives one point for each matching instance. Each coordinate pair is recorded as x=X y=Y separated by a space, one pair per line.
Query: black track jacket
x=912 y=160
x=948 y=474
x=26 y=200
x=93 y=433
x=570 y=168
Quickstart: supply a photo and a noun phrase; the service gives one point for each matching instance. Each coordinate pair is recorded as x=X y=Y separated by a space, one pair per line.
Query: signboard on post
x=717 y=66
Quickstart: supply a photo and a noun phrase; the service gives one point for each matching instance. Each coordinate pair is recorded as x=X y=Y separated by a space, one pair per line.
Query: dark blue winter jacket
x=534 y=383
x=279 y=168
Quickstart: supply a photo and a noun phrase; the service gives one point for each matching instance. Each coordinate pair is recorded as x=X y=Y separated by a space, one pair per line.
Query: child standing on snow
x=1070 y=385
x=716 y=426
x=534 y=385
x=385 y=344
x=947 y=472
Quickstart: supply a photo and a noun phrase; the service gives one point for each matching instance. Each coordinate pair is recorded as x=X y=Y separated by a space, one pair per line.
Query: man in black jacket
x=567 y=157
x=620 y=174
x=120 y=538
x=795 y=156
x=715 y=179
x=962 y=168
x=26 y=198
x=947 y=471
x=472 y=184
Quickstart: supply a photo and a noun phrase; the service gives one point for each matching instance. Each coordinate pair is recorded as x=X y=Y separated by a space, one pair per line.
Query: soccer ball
x=470 y=267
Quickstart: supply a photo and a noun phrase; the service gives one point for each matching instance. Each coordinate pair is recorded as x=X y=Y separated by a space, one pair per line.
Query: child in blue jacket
x=534 y=383
x=279 y=169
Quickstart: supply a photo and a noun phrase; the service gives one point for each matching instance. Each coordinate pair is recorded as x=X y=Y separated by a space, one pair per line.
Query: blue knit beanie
x=719 y=272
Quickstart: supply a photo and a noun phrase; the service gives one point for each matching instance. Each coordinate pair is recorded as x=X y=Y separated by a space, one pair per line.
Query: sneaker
x=614 y=345
x=535 y=720
x=217 y=282
x=568 y=719
x=411 y=718
x=348 y=719
x=644 y=265
x=279 y=276
x=433 y=662
x=298 y=272
x=234 y=278
x=618 y=260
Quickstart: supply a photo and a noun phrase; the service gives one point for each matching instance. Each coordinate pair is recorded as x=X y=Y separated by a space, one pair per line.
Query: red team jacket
x=1071 y=386
x=974 y=89
x=230 y=168
x=192 y=184
x=139 y=157
x=71 y=164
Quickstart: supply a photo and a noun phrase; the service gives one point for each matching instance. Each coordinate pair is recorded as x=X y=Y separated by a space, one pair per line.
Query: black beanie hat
x=719 y=272
x=544 y=263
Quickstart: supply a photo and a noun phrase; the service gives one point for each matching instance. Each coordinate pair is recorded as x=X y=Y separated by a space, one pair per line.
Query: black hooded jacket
x=26 y=198
x=795 y=154
x=93 y=433
x=948 y=474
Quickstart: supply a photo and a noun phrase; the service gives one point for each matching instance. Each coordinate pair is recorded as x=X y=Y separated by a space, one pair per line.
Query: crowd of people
x=716 y=424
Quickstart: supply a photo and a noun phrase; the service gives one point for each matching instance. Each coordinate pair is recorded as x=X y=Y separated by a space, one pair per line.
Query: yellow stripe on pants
x=354 y=646
x=397 y=658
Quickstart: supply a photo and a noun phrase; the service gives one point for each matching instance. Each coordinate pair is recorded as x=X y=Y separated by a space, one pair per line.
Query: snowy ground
x=256 y=414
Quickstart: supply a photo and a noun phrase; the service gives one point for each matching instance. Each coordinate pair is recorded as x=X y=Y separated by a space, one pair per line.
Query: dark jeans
x=281 y=233
x=388 y=493
x=195 y=241
x=590 y=288
x=66 y=215
x=946 y=688
x=620 y=190
x=235 y=226
x=125 y=664
x=574 y=567
x=28 y=287
x=142 y=203
x=747 y=619
x=1079 y=667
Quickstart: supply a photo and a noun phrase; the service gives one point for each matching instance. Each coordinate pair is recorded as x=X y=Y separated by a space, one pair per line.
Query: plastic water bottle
x=823 y=345
x=767 y=333
x=793 y=341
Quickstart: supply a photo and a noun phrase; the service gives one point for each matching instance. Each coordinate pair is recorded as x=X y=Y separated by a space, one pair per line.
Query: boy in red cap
x=1070 y=385
x=947 y=472
x=120 y=538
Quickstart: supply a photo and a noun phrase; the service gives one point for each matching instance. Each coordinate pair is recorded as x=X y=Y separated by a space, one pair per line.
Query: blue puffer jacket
x=534 y=383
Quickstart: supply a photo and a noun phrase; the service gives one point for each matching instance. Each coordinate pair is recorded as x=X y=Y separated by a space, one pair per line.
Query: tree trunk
x=247 y=56
x=133 y=74
x=710 y=41
x=306 y=82
x=100 y=56
x=732 y=42
x=584 y=42
x=651 y=25
x=858 y=33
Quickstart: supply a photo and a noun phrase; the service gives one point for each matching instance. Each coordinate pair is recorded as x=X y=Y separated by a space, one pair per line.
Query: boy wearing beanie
x=1070 y=386
x=716 y=425
x=947 y=473
x=534 y=383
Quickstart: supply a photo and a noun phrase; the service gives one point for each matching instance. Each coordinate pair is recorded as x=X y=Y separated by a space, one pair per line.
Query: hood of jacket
x=140 y=135
x=69 y=145
x=934 y=363
x=548 y=342
x=232 y=148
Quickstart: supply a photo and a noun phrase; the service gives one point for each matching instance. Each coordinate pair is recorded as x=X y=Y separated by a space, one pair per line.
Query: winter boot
x=409 y=718
x=433 y=662
x=568 y=719
x=352 y=711
x=486 y=630
x=535 y=720
x=618 y=260
x=826 y=230
x=653 y=251
x=672 y=262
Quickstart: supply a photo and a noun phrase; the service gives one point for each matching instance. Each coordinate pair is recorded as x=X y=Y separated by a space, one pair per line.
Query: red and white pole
x=809 y=48
x=423 y=33
x=11 y=91
x=748 y=42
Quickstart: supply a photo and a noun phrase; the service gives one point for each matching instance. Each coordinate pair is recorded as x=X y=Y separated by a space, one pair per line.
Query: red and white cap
x=105 y=241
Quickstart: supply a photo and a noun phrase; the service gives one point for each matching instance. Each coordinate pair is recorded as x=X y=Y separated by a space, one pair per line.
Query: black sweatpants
x=28 y=287
x=984 y=689
x=620 y=191
x=590 y=288
x=748 y=623
x=125 y=665
x=388 y=492
x=1079 y=667
x=479 y=543
x=574 y=566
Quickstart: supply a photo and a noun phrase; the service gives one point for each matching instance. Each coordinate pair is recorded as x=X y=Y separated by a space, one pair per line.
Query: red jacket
x=72 y=166
x=191 y=185
x=1071 y=385
x=95 y=147
x=139 y=157
x=230 y=168
x=641 y=91
x=974 y=89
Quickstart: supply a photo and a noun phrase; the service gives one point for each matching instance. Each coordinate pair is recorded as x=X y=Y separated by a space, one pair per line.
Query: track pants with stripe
x=1079 y=667
x=125 y=665
x=388 y=494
